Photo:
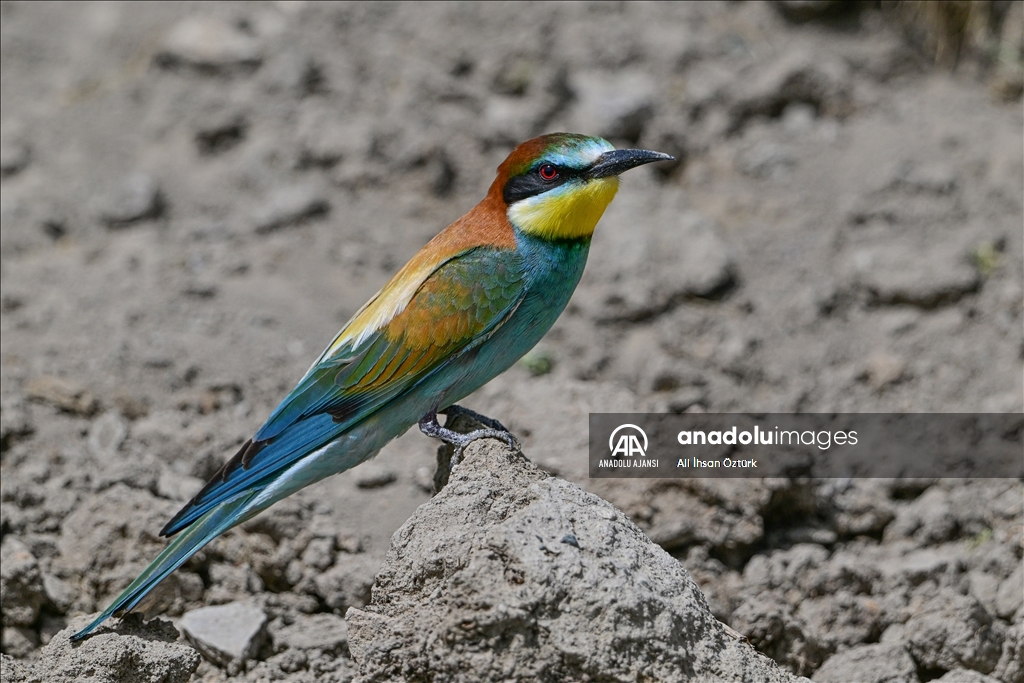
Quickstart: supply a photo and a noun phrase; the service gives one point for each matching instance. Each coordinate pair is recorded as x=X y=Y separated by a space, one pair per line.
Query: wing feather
x=455 y=308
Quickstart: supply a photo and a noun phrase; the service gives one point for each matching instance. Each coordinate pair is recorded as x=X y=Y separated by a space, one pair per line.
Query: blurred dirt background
x=196 y=196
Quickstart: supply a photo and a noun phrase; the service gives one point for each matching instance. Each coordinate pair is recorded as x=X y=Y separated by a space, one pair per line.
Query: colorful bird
x=476 y=298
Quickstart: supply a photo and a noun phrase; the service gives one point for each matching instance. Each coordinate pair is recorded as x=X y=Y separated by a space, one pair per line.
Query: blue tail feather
x=198 y=534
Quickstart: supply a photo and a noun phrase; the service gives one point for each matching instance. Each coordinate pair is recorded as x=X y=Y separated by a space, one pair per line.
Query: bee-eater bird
x=476 y=298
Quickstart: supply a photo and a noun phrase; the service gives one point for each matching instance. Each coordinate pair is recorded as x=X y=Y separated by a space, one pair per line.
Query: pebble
x=884 y=369
x=210 y=46
x=63 y=393
x=616 y=106
x=937 y=275
x=375 y=477
x=289 y=206
x=875 y=663
x=136 y=199
x=107 y=433
x=14 y=157
x=326 y=632
x=226 y=634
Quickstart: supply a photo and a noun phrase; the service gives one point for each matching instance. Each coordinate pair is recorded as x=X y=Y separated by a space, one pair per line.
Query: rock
x=111 y=531
x=965 y=676
x=19 y=641
x=226 y=634
x=773 y=627
x=952 y=631
x=136 y=199
x=617 y=106
x=884 y=369
x=209 y=45
x=478 y=584
x=122 y=650
x=288 y=206
x=800 y=11
x=937 y=179
x=177 y=487
x=21 y=584
x=797 y=76
x=319 y=553
x=59 y=592
x=682 y=256
x=15 y=424
x=14 y=156
x=221 y=132
x=348 y=582
x=325 y=139
x=107 y=433
x=940 y=275
x=765 y=160
x=325 y=632
x=1011 y=663
x=684 y=519
x=375 y=476
x=842 y=619
x=878 y=663
x=1011 y=594
x=928 y=519
x=63 y=393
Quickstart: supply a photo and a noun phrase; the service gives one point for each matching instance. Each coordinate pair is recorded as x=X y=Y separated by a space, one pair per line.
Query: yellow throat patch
x=569 y=212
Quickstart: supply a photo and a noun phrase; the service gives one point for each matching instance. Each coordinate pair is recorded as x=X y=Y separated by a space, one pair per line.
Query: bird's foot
x=454 y=411
x=457 y=440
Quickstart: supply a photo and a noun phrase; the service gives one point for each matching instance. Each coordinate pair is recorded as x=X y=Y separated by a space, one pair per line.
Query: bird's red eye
x=548 y=172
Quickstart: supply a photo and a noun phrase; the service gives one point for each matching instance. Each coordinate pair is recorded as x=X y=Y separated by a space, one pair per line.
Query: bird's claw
x=453 y=411
x=457 y=440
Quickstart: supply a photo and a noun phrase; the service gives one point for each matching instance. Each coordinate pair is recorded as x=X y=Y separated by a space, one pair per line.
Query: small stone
x=210 y=46
x=424 y=479
x=221 y=133
x=937 y=179
x=136 y=199
x=515 y=77
x=938 y=274
x=765 y=160
x=179 y=487
x=615 y=105
x=326 y=632
x=107 y=433
x=21 y=584
x=319 y=553
x=348 y=582
x=14 y=157
x=797 y=76
x=289 y=206
x=226 y=634
x=59 y=592
x=685 y=398
x=375 y=477
x=63 y=393
x=884 y=369
x=19 y=641
x=121 y=650
x=954 y=631
x=15 y=424
x=1011 y=594
x=965 y=676
x=799 y=11
x=877 y=663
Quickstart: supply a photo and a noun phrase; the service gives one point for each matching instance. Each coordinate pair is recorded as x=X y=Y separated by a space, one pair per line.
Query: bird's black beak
x=621 y=160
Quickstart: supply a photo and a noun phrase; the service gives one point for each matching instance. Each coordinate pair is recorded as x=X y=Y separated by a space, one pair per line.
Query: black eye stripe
x=530 y=183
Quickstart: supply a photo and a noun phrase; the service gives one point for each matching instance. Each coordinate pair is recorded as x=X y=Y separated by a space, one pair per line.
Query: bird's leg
x=458 y=441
